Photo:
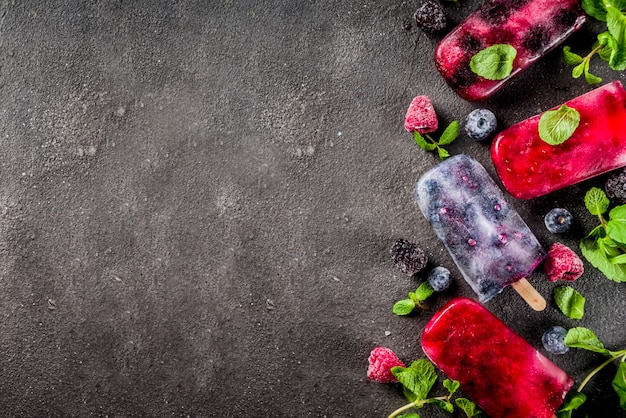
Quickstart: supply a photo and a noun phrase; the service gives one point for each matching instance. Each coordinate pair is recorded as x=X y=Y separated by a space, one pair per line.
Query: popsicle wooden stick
x=529 y=294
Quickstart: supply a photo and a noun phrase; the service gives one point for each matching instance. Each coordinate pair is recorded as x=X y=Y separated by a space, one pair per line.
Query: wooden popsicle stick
x=529 y=294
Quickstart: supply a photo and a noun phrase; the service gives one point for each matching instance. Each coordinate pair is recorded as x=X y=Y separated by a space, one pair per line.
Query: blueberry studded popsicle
x=530 y=167
x=497 y=369
x=532 y=27
x=486 y=237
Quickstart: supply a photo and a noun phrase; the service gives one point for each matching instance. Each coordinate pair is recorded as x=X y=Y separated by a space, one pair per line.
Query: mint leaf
x=443 y=154
x=616 y=227
x=423 y=291
x=590 y=78
x=467 y=406
x=419 y=140
x=418 y=378
x=616 y=22
x=584 y=338
x=450 y=133
x=596 y=201
x=557 y=126
x=411 y=415
x=598 y=258
x=573 y=401
x=578 y=70
x=451 y=385
x=619 y=384
x=570 y=302
x=494 y=62
x=570 y=57
x=403 y=307
x=443 y=404
x=594 y=8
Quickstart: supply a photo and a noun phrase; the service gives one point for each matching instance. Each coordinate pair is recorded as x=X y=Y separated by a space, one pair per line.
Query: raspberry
x=381 y=361
x=430 y=16
x=421 y=116
x=615 y=186
x=563 y=264
x=408 y=257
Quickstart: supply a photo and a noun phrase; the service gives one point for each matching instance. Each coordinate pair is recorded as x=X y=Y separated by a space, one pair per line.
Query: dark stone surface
x=197 y=200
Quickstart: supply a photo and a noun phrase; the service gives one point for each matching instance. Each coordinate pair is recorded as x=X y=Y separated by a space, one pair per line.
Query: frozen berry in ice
x=563 y=263
x=480 y=124
x=558 y=220
x=430 y=16
x=421 y=116
x=439 y=279
x=553 y=340
x=536 y=39
x=408 y=257
x=615 y=186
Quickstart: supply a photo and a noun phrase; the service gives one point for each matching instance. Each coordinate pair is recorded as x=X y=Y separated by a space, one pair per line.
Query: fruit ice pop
x=497 y=368
x=530 y=167
x=532 y=27
x=486 y=237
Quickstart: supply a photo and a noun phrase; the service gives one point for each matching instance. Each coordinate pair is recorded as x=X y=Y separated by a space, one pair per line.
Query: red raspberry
x=563 y=264
x=381 y=361
x=421 y=116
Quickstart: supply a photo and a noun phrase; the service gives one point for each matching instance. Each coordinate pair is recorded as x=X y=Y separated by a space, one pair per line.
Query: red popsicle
x=497 y=369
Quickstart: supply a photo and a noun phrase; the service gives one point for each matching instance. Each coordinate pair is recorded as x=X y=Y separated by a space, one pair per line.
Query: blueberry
x=553 y=340
x=558 y=220
x=439 y=279
x=480 y=124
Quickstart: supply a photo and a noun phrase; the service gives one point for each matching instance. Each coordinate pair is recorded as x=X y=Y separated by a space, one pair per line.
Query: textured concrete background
x=197 y=199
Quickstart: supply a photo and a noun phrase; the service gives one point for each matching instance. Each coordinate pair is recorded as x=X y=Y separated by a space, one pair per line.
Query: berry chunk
x=408 y=257
x=615 y=186
x=430 y=16
x=480 y=124
x=381 y=360
x=553 y=340
x=421 y=116
x=563 y=264
x=439 y=279
x=558 y=220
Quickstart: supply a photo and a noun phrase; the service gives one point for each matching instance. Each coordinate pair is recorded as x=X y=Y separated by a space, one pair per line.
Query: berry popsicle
x=486 y=237
x=532 y=27
x=497 y=369
x=530 y=167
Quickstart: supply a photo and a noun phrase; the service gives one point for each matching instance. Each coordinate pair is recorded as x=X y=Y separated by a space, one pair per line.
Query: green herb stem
x=617 y=355
x=417 y=404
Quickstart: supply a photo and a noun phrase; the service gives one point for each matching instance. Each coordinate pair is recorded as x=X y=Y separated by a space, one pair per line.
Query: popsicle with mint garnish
x=488 y=240
x=497 y=368
x=503 y=37
x=578 y=140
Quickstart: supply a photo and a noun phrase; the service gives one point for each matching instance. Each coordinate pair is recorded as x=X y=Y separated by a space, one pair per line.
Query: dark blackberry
x=430 y=16
x=566 y=17
x=500 y=35
x=408 y=257
x=536 y=39
x=462 y=77
x=470 y=44
x=495 y=12
x=615 y=186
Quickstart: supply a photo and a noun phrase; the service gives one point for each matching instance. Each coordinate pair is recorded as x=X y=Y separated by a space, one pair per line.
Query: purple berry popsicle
x=530 y=167
x=498 y=369
x=532 y=27
x=486 y=237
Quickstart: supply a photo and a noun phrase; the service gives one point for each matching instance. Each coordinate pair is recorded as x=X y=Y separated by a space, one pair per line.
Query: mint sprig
x=605 y=246
x=494 y=62
x=569 y=301
x=610 y=45
x=418 y=380
x=557 y=126
x=427 y=143
x=585 y=339
x=415 y=300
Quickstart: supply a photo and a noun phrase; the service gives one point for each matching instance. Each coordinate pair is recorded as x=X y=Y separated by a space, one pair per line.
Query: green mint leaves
x=585 y=339
x=570 y=302
x=605 y=246
x=427 y=143
x=418 y=380
x=557 y=126
x=610 y=45
x=406 y=306
x=494 y=62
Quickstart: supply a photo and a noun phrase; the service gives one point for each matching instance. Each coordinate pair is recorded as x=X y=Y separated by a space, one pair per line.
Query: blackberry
x=408 y=257
x=495 y=12
x=463 y=77
x=566 y=17
x=480 y=124
x=430 y=16
x=536 y=39
x=615 y=186
x=470 y=44
x=553 y=340
x=558 y=221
